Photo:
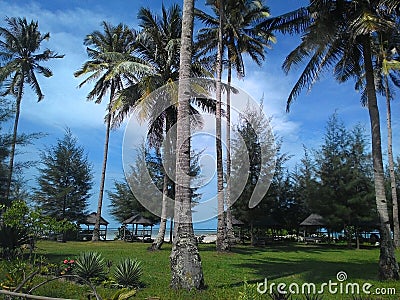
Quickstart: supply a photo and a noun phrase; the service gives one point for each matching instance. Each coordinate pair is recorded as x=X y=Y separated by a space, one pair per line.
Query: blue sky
x=64 y=105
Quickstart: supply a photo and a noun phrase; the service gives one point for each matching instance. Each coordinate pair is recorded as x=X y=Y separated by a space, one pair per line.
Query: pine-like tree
x=64 y=181
x=124 y=203
x=345 y=186
x=142 y=173
x=253 y=139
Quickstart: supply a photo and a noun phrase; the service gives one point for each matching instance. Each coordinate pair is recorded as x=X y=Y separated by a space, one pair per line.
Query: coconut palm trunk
x=169 y=148
x=396 y=231
x=14 y=139
x=186 y=268
x=229 y=226
x=96 y=230
x=388 y=267
x=159 y=241
x=221 y=242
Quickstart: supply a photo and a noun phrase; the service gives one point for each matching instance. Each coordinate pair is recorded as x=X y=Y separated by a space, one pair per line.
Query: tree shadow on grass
x=285 y=248
x=311 y=271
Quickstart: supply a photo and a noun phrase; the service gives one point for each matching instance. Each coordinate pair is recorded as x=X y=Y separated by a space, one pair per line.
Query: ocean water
x=113 y=232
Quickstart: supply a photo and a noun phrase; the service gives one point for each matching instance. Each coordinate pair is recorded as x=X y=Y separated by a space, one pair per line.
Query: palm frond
x=294 y=22
x=35 y=85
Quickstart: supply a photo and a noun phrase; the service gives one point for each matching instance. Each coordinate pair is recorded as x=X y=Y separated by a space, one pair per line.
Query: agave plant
x=128 y=272
x=90 y=265
x=12 y=238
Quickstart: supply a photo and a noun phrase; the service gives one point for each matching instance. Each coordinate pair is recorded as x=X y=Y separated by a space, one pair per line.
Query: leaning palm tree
x=19 y=51
x=241 y=35
x=339 y=33
x=113 y=66
x=185 y=259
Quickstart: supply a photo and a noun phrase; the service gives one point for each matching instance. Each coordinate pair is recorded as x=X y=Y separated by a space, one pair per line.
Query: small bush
x=128 y=272
x=90 y=265
x=18 y=272
x=12 y=238
x=249 y=292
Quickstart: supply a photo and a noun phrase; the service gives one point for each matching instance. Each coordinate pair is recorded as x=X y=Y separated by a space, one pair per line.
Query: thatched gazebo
x=143 y=234
x=313 y=222
x=86 y=234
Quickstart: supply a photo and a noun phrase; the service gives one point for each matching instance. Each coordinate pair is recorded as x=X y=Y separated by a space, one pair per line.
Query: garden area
x=232 y=275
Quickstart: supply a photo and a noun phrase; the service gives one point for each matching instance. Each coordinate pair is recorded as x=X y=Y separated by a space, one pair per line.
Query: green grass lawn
x=225 y=273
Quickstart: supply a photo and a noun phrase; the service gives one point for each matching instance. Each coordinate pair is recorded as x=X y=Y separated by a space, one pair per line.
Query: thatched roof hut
x=313 y=223
x=90 y=222
x=313 y=220
x=144 y=234
x=138 y=219
x=236 y=222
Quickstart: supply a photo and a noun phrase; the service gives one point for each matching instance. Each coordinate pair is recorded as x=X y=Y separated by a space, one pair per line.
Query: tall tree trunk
x=169 y=148
x=396 y=230
x=357 y=239
x=14 y=142
x=185 y=258
x=163 y=223
x=171 y=230
x=221 y=242
x=229 y=227
x=388 y=267
x=96 y=230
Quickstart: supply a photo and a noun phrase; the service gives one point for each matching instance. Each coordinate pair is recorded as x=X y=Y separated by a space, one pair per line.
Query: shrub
x=12 y=238
x=67 y=266
x=90 y=265
x=249 y=292
x=18 y=272
x=128 y=272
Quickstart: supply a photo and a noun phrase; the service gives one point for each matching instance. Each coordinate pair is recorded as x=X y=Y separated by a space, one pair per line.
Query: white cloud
x=64 y=104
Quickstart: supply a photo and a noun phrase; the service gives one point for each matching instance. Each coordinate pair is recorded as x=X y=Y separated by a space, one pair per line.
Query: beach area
x=204 y=235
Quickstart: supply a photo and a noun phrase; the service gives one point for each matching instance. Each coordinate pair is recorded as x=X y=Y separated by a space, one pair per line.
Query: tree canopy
x=65 y=180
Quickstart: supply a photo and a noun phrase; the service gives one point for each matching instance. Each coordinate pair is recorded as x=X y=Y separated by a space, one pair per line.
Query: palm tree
x=384 y=48
x=112 y=65
x=222 y=243
x=241 y=35
x=339 y=33
x=18 y=51
x=185 y=259
x=158 y=43
x=388 y=59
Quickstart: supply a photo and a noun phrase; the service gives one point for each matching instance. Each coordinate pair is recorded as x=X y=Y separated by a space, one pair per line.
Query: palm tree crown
x=111 y=63
x=242 y=33
x=18 y=51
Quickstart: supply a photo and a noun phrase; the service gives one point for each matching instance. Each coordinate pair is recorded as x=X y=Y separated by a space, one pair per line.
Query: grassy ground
x=225 y=274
